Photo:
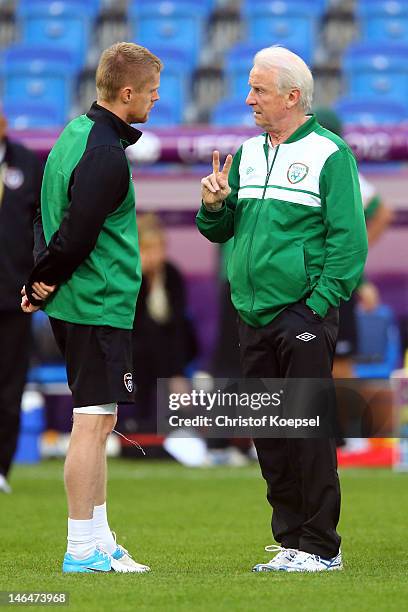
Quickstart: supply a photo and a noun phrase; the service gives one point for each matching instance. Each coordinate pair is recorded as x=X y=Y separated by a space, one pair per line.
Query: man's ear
x=126 y=95
x=292 y=98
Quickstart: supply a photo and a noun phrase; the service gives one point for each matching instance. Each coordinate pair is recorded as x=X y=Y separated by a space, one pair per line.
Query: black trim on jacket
x=97 y=187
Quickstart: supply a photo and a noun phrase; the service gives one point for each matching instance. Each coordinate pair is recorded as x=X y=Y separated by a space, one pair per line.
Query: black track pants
x=301 y=474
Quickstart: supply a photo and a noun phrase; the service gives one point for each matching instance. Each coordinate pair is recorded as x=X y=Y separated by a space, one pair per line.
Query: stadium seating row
x=375 y=69
x=55 y=37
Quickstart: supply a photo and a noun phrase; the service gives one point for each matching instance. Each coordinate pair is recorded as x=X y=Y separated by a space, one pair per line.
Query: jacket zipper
x=268 y=174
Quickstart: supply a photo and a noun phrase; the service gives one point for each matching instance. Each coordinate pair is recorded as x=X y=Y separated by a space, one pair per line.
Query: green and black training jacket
x=86 y=238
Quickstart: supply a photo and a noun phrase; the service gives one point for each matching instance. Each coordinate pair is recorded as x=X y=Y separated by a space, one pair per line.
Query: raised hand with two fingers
x=214 y=187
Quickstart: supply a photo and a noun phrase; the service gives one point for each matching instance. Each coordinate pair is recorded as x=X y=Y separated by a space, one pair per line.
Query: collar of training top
x=128 y=134
x=304 y=130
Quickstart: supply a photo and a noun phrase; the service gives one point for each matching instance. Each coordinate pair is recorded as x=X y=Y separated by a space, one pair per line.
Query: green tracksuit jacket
x=297 y=219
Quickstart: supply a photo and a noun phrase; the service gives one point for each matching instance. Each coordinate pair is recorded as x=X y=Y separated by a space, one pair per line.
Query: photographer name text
x=176 y=420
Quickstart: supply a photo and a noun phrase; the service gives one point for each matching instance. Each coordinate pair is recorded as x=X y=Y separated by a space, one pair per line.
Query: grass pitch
x=201 y=531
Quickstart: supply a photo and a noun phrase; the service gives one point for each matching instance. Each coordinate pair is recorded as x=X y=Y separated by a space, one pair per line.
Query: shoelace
x=102 y=552
x=122 y=548
x=275 y=548
x=304 y=556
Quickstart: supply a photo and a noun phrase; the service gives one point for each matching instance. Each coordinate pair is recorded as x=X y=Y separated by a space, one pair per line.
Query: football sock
x=81 y=540
x=101 y=530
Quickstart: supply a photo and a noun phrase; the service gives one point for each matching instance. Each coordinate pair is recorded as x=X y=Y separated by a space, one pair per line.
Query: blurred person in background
x=20 y=186
x=164 y=340
x=225 y=357
x=378 y=218
x=291 y=199
x=224 y=363
x=87 y=253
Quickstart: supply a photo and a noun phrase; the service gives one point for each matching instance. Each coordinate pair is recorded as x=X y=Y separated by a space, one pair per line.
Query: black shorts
x=98 y=360
x=347 y=339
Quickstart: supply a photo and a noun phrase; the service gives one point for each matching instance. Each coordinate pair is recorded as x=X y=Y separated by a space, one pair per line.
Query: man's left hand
x=41 y=291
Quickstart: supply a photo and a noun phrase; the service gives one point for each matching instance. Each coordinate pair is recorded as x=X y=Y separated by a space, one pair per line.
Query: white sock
x=81 y=540
x=101 y=530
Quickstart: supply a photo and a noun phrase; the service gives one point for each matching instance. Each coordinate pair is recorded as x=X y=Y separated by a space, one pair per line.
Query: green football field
x=201 y=531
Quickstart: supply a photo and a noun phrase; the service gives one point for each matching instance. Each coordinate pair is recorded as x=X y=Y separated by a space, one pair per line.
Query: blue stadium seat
x=164 y=114
x=174 y=79
x=206 y=5
x=65 y=25
x=46 y=374
x=232 y=112
x=367 y=112
x=379 y=345
x=285 y=23
x=172 y=57
x=26 y=115
x=50 y=368
x=384 y=20
x=239 y=62
x=42 y=75
x=377 y=71
x=175 y=24
x=319 y=5
x=173 y=88
x=92 y=6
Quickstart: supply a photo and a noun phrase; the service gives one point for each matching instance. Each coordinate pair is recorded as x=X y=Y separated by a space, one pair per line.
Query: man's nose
x=249 y=99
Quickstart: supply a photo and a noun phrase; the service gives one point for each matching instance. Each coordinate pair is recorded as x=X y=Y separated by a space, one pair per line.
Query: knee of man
x=100 y=425
x=108 y=424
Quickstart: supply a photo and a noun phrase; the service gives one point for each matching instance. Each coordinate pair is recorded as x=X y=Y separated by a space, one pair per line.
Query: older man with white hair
x=291 y=200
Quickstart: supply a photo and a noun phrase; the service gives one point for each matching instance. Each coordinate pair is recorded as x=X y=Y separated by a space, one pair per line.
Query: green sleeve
x=346 y=235
x=371 y=207
x=219 y=226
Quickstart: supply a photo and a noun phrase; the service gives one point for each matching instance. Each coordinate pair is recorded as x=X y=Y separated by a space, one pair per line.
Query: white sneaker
x=124 y=563
x=280 y=561
x=4 y=485
x=306 y=562
x=230 y=456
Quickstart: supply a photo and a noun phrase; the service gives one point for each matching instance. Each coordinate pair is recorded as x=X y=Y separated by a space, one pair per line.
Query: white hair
x=293 y=72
